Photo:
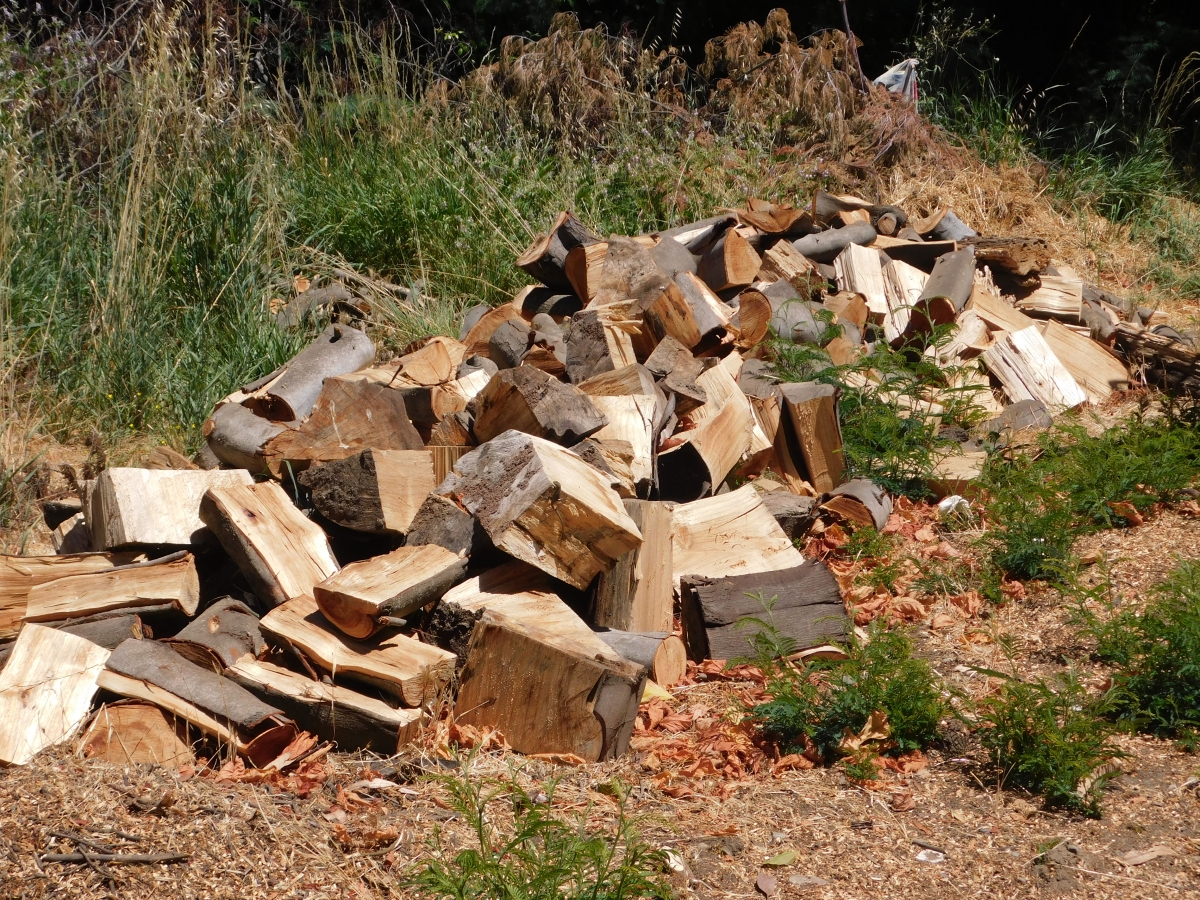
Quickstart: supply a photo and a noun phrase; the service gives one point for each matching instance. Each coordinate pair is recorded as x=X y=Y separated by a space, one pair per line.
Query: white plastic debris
x=931 y=856
x=901 y=79
x=948 y=506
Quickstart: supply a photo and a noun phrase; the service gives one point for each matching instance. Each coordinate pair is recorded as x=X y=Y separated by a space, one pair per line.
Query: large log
x=826 y=245
x=357 y=598
x=237 y=436
x=132 y=731
x=338 y=350
x=20 y=574
x=153 y=507
x=220 y=636
x=376 y=491
x=168 y=580
x=595 y=345
x=1019 y=256
x=280 y=552
x=46 y=691
x=805 y=607
x=404 y=667
x=703 y=457
x=1029 y=370
x=690 y=312
x=542 y=504
x=860 y=271
x=808 y=445
x=1095 y=369
x=330 y=711
x=631 y=419
x=949 y=286
x=623 y=269
x=527 y=399
x=636 y=594
x=730 y=262
x=546 y=258
x=442 y=522
x=678 y=371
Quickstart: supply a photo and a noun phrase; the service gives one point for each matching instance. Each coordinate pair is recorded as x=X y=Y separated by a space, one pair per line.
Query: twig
x=82 y=841
x=128 y=859
x=1121 y=877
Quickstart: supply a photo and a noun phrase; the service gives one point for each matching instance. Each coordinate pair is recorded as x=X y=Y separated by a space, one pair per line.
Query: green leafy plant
x=1049 y=736
x=539 y=856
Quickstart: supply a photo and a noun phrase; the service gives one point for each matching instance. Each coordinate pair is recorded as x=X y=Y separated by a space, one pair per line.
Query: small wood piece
x=958 y=473
x=528 y=400
x=795 y=514
x=152 y=508
x=443 y=522
x=1096 y=370
x=1029 y=370
x=949 y=286
x=132 y=731
x=478 y=336
x=729 y=534
x=1057 y=298
x=453 y=431
x=703 y=457
x=861 y=502
x=904 y=285
x=729 y=263
x=636 y=594
x=434 y=362
x=808 y=446
x=678 y=370
x=1015 y=418
x=825 y=246
x=1171 y=365
x=281 y=553
x=997 y=313
x=121 y=859
x=46 y=691
x=330 y=711
x=544 y=505
x=537 y=298
x=1019 y=256
x=860 y=270
x=237 y=436
x=20 y=574
x=170 y=579
x=72 y=536
x=375 y=491
x=403 y=666
x=164 y=457
x=595 y=345
x=752 y=321
x=631 y=419
x=660 y=653
x=546 y=258
x=349 y=416
x=770 y=218
x=395 y=584
x=628 y=381
x=338 y=350
x=509 y=343
x=220 y=636
x=690 y=312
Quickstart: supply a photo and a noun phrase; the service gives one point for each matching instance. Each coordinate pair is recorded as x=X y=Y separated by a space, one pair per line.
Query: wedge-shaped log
x=290 y=396
x=132 y=731
x=618 y=269
x=690 y=312
x=783 y=262
x=546 y=258
x=678 y=370
x=729 y=263
x=281 y=553
x=349 y=416
x=1095 y=369
x=808 y=444
x=545 y=505
x=539 y=674
x=153 y=507
x=636 y=594
x=394 y=585
x=330 y=711
x=46 y=691
x=631 y=419
x=169 y=580
x=220 y=636
x=595 y=344
x=627 y=381
x=527 y=399
x=442 y=522
x=730 y=534
x=375 y=491
x=661 y=654
x=807 y=609
x=20 y=574
x=1028 y=369
x=860 y=270
x=152 y=671
x=704 y=456
x=1020 y=256
x=480 y=333
x=1057 y=298
x=861 y=502
x=435 y=362
x=404 y=667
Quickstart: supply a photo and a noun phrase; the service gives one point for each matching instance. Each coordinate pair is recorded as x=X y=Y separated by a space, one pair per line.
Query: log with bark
x=631 y=419
x=783 y=262
x=133 y=731
x=825 y=246
x=595 y=344
x=660 y=653
x=861 y=503
x=169 y=579
x=637 y=593
x=1056 y=298
x=375 y=491
x=699 y=460
x=434 y=362
x=220 y=636
x=690 y=312
x=236 y=436
x=808 y=444
x=1019 y=256
x=527 y=399
x=677 y=370
x=730 y=262
x=1172 y=366
x=290 y=396
x=546 y=258
x=949 y=286
x=20 y=574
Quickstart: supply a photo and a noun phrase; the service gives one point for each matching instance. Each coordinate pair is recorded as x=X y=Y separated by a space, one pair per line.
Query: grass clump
x=1050 y=737
x=541 y=856
x=822 y=702
x=1156 y=650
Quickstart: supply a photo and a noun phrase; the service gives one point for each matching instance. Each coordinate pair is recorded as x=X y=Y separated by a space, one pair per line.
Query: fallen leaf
x=301 y=284
x=1126 y=511
x=875 y=729
x=791 y=762
x=1189 y=508
x=926 y=534
x=969 y=602
x=907 y=608
x=902 y=801
x=786 y=858
x=560 y=759
x=941 y=620
x=907 y=763
x=1140 y=857
x=765 y=884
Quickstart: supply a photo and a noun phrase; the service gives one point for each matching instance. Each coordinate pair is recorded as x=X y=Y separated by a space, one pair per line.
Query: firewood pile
x=525 y=525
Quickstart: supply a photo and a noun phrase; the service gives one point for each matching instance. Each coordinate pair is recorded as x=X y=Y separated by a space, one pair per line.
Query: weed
x=541 y=857
x=1050 y=737
x=943 y=578
x=867 y=543
x=826 y=699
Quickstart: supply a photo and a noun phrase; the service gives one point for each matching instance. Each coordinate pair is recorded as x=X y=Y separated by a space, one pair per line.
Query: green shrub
x=1156 y=650
x=542 y=857
x=824 y=699
x=1050 y=737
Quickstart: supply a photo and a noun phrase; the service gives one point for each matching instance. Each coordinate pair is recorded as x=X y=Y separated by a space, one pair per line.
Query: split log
x=678 y=370
x=636 y=594
x=729 y=263
x=1056 y=298
x=105 y=630
x=732 y=533
x=805 y=608
x=330 y=711
x=852 y=308
x=860 y=271
x=444 y=460
x=220 y=636
x=171 y=579
x=752 y=321
x=628 y=381
x=696 y=236
x=661 y=654
x=1014 y=418
x=1029 y=370
x=358 y=598
x=409 y=670
x=236 y=436
x=691 y=313
x=968 y=339
x=46 y=691
x=958 y=473
x=477 y=337
x=536 y=299
x=795 y=514
x=792 y=317
x=442 y=522
x=376 y=491
x=348 y=417
x=626 y=269
x=1019 y=256
x=526 y=399
x=1095 y=369
x=434 y=362
x=828 y=207
x=280 y=552
x=808 y=444
x=904 y=284
x=701 y=459
x=826 y=245
x=546 y=258
x=152 y=508
x=1172 y=366
x=861 y=503
x=615 y=459
x=509 y=343
x=631 y=419
x=454 y=430
x=338 y=350
x=595 y=345
x=721 y=388
x=131 y=731
x=923 y=256
x=583 y=267
x=152 y=671
x=996 y=312
x=673 y=257
x=544 y=505
x=20 y=574
x=164 y=457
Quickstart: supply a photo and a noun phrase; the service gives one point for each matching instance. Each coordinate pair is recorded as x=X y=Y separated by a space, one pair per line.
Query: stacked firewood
x=524 y=525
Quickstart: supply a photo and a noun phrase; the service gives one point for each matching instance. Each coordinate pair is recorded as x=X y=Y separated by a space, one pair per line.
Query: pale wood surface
x=860 y=269
x=527 y=399
x=997 y=313
x=404 y=667
x=811 y=413
x=434 y=363
x=1057 y=298
x=730 y=262
x=281 y=553
x=20 y=574
x=630 y=380
x=1029 y=370
x=46 y=691
x=1096 y=370
x=630 y=419
x=636 y=594
x=131 y=731
x=173 y=580
x=688 y=311
x=153 y=507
